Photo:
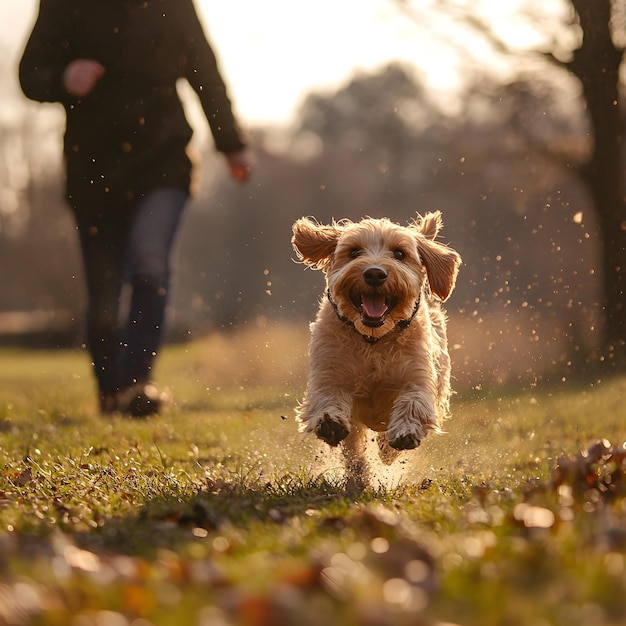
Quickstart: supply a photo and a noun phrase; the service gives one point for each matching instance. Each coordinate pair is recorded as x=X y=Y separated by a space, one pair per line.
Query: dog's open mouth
x=373 y=308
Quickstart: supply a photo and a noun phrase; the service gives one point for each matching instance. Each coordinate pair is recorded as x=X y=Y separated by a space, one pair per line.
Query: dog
x=378 y=349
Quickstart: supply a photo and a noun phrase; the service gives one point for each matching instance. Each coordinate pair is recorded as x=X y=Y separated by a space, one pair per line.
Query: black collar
x=400 y=325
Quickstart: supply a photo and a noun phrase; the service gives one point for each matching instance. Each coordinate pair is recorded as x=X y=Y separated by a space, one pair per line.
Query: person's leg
x=103 y=242
x=155 y=223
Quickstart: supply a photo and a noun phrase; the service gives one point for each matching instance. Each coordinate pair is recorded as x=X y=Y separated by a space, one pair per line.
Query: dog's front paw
x=413 y=417
x=330 y=431
x=409 y=441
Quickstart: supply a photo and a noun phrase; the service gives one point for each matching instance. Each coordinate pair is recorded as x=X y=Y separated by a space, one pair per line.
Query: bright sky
x=273 y=52
x=276 y=50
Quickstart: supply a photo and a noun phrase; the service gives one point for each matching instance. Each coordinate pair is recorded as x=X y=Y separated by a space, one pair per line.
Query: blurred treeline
x=381 y=145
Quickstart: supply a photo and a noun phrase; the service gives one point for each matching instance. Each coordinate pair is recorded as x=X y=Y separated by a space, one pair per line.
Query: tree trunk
x=596 y=64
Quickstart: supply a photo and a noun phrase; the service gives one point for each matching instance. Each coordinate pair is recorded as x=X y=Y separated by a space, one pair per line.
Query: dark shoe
x=140 y=400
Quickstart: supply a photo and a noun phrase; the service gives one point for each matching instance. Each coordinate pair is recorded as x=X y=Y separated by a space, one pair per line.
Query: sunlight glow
x=276 y=52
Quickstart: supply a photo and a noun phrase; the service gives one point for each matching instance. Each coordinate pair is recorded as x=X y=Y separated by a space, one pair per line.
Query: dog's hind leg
x=353 y=448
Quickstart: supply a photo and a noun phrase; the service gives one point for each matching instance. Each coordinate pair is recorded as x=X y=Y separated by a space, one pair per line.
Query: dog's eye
x=398 y=254
x=355 y=252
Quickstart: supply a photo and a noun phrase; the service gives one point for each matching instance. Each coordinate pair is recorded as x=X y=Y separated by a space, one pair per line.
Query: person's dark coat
x=129 y=136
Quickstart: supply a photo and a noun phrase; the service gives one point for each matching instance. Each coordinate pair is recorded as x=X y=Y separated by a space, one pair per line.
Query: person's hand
x=81 y=76
x=240 y=164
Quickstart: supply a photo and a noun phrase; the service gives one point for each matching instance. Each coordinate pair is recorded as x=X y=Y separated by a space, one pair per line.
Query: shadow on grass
x=241 y=506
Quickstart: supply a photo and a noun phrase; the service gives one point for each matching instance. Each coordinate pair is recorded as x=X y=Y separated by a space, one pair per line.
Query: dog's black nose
x=374 y=276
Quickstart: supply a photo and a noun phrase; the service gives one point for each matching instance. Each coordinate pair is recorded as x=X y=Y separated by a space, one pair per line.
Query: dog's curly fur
x=378 y=352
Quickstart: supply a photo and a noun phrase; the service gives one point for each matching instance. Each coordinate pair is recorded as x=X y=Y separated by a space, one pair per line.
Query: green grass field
x=218 y=512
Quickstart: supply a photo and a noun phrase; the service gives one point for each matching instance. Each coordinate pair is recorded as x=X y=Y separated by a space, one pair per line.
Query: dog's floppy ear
x=429 y=225
x=442 y=266
x=441 y=263
x=314 y=243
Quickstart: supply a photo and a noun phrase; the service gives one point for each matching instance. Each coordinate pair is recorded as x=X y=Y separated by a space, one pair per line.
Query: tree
x=597 y=63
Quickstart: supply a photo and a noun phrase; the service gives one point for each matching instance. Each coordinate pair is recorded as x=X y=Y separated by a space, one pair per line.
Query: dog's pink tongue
x=373 y=305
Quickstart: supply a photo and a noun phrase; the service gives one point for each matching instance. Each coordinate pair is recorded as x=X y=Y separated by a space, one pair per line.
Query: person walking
x=114 y=66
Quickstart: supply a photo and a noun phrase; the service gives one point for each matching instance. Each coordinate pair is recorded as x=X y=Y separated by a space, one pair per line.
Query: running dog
x=378 y=352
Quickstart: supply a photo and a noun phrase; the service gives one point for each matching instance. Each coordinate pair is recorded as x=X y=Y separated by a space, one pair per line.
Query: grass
x=219 y=512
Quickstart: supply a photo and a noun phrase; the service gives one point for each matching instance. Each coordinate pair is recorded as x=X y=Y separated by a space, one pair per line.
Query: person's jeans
x=128 y=248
